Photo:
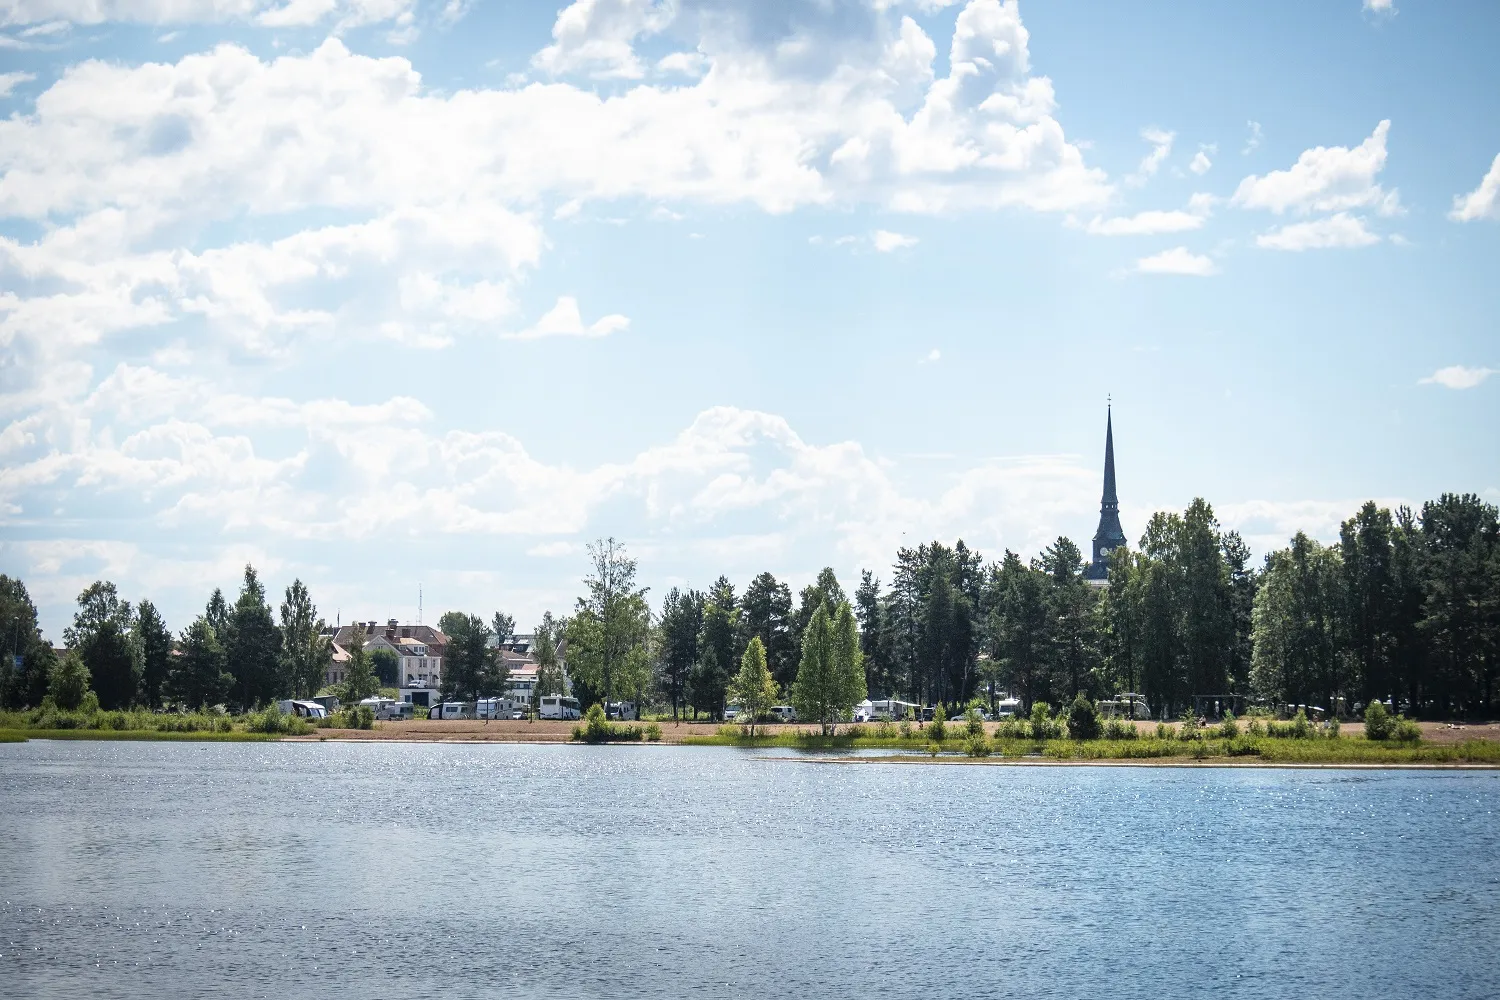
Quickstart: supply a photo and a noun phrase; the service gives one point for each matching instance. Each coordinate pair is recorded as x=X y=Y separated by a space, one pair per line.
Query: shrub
x=1116 y=728
x=855 y=732
x=1257 y=728
x=596 y=727
x=90 y=703
x=1083 y=719
x=1332 y=728
x=1244 y=746
x=360 y=717
x=1043 y=725
x=1188 y=729
x=1229 y=729
x=1407 y=731
x=977 y=745
x=1301 y=728
x=938 y=731
x=1013 y=729
x=907 y=732
x=1379 y=725
x=1164 y=731
x=653 y=733
x=933 y=749
x=274 y=722
x=973 y=724
x=729 y=730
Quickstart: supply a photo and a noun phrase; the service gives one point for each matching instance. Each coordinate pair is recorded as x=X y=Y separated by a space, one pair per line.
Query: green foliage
x=252 y=645
x=653 y=733
x=1301 y=728
x=1188 y=728
x=1043 y=725
x=1164 y=731
x=1116 y=728
x=1406 y=731
x=938 y=729
x=609 y=631
x=1257 y=727
x=977 y=746
x=101 y=636
x=1083 y=719
x=198 y=676
x=1228 y=729
x=154 y=643
x=272 y=721
x=831 y=678
x=1379 y=723
x=70 y=682
x=596 y=728
x=753 y=688
x=973 y=724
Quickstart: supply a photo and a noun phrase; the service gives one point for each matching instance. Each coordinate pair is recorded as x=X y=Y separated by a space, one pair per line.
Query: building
x=419 y=650
x=1110 y=535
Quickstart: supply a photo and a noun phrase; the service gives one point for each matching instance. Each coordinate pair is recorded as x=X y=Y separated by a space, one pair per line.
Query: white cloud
x=1153 y=222
x=1340 y=230
x=1161 y=148
x=931 y=356
x=1325 y=179
x=9 y=81
x=1383 y=7
x=1178 y=260
x=1458 y=377
x=269 y=13
x=1253 y=139
x=1481 y=203
x=1201 y=164
x=597 y=36
x=886 y=241
x=564 y=320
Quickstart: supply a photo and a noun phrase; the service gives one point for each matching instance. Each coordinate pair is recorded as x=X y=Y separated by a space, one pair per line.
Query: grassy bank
x=233 y=736
x=1318 y=750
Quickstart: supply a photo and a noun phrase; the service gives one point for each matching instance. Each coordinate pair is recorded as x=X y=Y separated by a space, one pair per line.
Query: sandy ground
x=561 y=732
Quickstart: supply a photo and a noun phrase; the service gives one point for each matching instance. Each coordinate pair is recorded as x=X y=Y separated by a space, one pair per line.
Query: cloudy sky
x=382 y=293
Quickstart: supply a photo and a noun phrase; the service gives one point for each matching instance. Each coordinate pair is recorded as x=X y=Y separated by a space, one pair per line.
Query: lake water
x=423 y=870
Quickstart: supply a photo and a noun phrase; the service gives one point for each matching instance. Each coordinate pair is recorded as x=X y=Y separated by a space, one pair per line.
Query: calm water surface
x=421 y=870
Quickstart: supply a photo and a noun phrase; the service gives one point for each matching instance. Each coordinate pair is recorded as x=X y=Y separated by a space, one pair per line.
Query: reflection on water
x=309 y=870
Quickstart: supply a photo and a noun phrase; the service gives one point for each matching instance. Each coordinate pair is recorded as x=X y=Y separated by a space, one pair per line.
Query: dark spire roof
x=1109 y=458
x=1110 y=535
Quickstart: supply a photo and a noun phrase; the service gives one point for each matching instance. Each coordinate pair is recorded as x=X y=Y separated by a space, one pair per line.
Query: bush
x=596 y=727
x=1119 y=729
x=653 y=733
x=977 y=745
x=906 y=730
x=938 y=731
x=973 y=724
x=274 y=722
x=1257 y=728
x=856 y=731
x=1013 y=729
x=1407 y=731
x=884 y=730
x=1164 y=731
x=1043 y=725
x=1229 y=729
x=1083 y=719
x=1379 y=725
x=1301 y=728
x=1331 y=729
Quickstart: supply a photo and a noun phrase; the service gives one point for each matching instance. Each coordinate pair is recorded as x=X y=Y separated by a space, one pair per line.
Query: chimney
x=391 y=623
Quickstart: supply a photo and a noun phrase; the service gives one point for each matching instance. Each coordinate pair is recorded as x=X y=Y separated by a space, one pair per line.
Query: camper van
x=395 y=711
x=303 y=709
x=455 y=710
x=557 y=706
x=496 y=708
x=625 y=711
x=784 y=713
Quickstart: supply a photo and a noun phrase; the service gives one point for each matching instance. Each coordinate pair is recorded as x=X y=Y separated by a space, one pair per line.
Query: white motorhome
x=396 y=711
x=892 y=710
x=784 y=713
x=559 y=706
x=625 y=711
x=379 y=706
x=496 y=708
x=302 y=709
x=456 y=710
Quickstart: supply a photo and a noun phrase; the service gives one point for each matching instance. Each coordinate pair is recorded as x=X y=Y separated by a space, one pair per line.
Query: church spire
x=1110 y=535
x=1109 y=458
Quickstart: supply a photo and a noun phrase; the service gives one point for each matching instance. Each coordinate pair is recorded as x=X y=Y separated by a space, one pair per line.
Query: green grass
x=1323 y=750
x=236 y=736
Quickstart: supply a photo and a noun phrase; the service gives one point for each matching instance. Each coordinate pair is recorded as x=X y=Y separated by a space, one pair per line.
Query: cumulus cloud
x=1339 y=230
x=1481 y=203
x=1152 y=222
x=1325 y=179
x=597 y=37
x=1457 y=377
x=269 y=13
x=886 y=241
x=1161 y=148
x=564 y=320
x=1252 y=140
x=1201 y=164
x=1385 y=8
x=1178 y=260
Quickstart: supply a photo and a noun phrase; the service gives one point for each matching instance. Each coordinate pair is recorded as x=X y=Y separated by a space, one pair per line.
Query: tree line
x=1404 y=608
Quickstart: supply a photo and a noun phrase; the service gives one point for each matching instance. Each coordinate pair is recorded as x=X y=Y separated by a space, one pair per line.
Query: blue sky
x=382 y=292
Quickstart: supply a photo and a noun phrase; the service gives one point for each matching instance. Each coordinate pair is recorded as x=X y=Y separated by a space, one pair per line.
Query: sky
x=401 y=297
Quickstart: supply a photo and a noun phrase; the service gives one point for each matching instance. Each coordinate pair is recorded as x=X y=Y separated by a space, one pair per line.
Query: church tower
x=1110 y=535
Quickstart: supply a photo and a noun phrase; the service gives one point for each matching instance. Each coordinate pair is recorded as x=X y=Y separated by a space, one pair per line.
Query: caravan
x=558 y=706
x=497 y=708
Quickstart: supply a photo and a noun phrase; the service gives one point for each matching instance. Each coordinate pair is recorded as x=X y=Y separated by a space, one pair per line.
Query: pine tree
x=198 y=676
x=154 y=642
x=253 y=645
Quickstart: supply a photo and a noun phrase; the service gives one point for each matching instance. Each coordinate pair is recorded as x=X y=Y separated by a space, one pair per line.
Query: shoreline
x=812 y=756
